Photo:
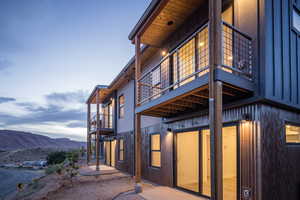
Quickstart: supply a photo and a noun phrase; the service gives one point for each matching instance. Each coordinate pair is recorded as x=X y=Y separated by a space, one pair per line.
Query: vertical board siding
x=248 y=144
x=282 y=53
x=280 y=162
x=277 y=50
x=127 y=164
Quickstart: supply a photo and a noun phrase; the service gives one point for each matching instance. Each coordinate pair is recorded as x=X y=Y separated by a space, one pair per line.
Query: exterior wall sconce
x=163 y=53
x=246 y=117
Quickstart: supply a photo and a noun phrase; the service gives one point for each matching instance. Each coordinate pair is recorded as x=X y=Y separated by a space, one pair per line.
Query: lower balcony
x=105 y=125
x=179 y=83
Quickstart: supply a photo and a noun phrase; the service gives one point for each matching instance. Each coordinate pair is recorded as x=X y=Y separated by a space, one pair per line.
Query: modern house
x=210 y=103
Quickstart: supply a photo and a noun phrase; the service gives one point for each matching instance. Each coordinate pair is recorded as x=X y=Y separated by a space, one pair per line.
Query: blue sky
x=52 y=54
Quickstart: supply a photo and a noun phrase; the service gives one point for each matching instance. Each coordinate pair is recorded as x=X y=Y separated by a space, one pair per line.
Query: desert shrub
x=73 y=156
x=56 y=157
x=54 y=169
x=20 y=186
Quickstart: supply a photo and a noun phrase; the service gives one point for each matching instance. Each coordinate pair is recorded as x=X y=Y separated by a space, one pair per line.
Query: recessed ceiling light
x=170 y=23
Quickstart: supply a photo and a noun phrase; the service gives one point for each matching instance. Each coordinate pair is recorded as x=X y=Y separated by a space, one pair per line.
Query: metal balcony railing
x=190 y=60
x=105 y=121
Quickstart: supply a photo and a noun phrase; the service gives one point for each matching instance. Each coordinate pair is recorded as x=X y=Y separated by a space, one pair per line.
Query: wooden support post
x=97 y=134
x=88 y=142
x=215 y=98
x=138 y=137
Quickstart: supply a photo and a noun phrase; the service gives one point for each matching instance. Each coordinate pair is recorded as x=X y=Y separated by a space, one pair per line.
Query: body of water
x=9 y=178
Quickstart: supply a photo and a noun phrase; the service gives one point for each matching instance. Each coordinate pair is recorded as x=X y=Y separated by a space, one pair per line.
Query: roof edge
x=94 y=90
x=143 y=18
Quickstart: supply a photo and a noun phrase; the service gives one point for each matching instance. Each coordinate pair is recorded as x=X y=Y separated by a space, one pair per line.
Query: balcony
x=105 y=124
x=179 y=83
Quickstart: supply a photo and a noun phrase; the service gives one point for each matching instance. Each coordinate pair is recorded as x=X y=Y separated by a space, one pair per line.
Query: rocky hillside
x=13 y=140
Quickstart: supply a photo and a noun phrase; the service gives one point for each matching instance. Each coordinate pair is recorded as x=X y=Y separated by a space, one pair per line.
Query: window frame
x=290 y=124
x=294 y=9
x=121 y=106
x=150 y=150
x=121 y=150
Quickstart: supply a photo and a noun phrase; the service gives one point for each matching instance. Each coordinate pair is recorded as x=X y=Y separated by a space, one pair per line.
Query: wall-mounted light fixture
x=163 y=53
x=201 y=44
x=246 y=117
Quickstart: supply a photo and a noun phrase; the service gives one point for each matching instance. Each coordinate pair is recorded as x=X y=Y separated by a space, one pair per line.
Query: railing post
x=97 y=133
x=88 y=147
x=215 y=99
x=138 y=137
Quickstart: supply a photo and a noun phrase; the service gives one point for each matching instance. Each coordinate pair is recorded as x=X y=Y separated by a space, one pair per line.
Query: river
x=9 y=178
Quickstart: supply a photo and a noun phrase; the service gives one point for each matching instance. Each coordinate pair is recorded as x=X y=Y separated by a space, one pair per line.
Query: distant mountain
x=13 y=140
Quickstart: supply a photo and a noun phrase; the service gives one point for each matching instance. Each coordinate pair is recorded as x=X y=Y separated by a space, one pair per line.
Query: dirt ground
x=117 y=186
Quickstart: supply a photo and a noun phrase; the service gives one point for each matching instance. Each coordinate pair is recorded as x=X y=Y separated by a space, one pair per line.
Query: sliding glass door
x=187 y=153
x=193 y=161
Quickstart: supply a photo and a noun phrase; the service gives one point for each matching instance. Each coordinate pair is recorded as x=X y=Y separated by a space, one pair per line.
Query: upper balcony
x=105 y=125
x=179 y=83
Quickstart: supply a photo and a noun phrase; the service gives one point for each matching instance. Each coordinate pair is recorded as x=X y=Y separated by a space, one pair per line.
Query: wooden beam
x=165 y=110
x=154 y=113
x=88 y=143
x=195 y=100
x=97 y=135
x=215 y=99
x=172 y=107
x=179 y=103
x=138 y=134
x=201 y=95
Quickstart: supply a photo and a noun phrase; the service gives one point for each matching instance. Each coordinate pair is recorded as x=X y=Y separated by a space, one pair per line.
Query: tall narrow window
x=292 y=134
x=121 y=106
x=121 y=149
x=155 y=150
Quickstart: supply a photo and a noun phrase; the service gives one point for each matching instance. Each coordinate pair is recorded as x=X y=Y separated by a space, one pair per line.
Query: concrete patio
x=90 y=170
x=167 y=193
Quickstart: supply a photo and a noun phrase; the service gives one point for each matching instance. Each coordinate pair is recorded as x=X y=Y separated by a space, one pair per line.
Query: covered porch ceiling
x=197 y=99
x=101 y=91
x=167 y=16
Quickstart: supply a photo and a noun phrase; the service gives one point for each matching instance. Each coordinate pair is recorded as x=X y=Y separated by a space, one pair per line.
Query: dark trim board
x=235 y=80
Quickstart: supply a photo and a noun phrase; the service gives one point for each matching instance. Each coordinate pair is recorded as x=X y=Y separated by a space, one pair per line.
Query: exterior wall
x=281 y=44
x=127 y=123
x=249 y=135
x=127 y=164
x=280 y=171
x=150 y=121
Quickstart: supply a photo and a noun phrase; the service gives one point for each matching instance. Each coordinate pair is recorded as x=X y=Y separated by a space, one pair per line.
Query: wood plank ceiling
x=172 y=15
x=194 y=100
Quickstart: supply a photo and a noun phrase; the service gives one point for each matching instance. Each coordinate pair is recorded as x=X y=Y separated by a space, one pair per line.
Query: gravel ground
x=9 y=178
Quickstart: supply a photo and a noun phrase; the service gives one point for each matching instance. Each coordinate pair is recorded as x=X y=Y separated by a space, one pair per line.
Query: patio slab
x=167 y=193
x=90 y=170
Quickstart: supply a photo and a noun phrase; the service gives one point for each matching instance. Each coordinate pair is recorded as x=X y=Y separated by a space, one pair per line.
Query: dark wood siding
x=281 y=44
x=249 y=145
x=127 y=165
x=164 y=174
x=280 y=162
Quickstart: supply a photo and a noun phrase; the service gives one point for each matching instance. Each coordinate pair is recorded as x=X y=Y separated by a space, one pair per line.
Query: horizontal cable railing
x=190 y=60
x=105 y=121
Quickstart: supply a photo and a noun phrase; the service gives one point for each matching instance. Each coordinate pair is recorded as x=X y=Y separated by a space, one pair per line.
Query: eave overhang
x=161 y=19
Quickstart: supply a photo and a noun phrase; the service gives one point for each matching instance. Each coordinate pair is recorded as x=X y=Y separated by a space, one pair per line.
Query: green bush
x=56 y=157
x=54 y=169
x=73 y=156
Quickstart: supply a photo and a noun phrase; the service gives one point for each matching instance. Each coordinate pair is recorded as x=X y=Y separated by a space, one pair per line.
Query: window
x=121 y=106
x=121 y=149
x=296 y=19
x=155 y=150
x=292 y=134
